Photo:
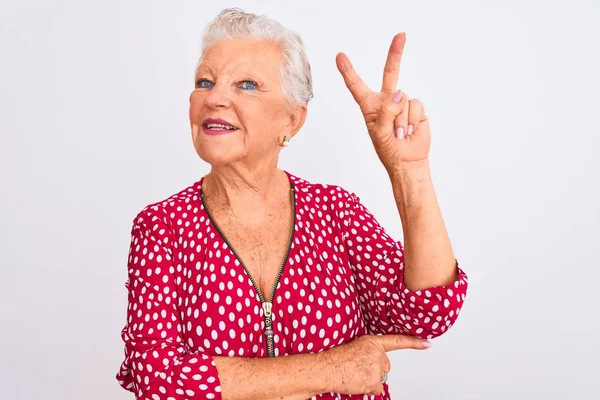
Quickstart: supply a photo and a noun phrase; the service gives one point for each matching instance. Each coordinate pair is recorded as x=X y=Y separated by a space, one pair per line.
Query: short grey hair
x=294 y=73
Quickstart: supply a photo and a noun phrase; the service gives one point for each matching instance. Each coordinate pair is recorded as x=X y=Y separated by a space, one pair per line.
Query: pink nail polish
x=400 y=133
x=410 y=129
x=426 y=344
x=398 y=96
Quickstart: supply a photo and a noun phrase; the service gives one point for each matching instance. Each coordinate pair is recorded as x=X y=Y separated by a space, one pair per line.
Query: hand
x=358 y=366
x=398 y=127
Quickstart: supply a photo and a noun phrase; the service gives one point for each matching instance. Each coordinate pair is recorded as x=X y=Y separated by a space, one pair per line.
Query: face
x=238 y=113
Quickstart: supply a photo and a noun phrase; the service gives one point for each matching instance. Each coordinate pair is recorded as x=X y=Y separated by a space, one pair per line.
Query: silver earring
x=285 y=142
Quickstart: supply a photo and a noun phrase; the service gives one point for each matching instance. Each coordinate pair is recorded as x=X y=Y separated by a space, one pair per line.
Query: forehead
x=242 y=56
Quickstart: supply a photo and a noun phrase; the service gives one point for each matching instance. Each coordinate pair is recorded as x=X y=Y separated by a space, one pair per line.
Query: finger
x=424 y=126
x=387 y=365
x=401 y=120
x=357 y=87
x=391 y=70
x=398 y=342
x=416 y=113
x=390 y=109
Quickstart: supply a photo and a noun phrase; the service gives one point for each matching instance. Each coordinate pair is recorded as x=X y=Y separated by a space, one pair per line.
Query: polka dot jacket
x=191 y=298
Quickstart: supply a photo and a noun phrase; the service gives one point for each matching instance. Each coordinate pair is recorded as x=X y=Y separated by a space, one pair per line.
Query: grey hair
x=294 y=73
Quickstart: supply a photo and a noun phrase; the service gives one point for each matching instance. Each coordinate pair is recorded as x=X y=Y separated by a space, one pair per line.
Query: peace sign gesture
x=398 y=126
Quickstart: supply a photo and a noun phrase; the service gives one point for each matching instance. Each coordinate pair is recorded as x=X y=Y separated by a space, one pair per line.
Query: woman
x=252 y=263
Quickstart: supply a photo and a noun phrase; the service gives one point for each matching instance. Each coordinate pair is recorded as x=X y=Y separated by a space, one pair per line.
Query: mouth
x=218 y=127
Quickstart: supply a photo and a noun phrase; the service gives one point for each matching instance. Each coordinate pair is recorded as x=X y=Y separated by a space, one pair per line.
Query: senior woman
x=254 y=283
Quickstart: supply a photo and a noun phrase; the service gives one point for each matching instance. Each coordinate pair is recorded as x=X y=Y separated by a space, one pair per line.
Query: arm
x=159 y=361
x=428 y=256
x=377 y=262
x=296 y=377
x=401 y=136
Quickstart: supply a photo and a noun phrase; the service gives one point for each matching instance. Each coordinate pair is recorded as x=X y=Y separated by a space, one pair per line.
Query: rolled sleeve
x=377 y=262
x=158 y=362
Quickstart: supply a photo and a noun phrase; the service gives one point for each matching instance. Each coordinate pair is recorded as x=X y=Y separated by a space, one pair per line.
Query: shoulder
x=176 y=207
x=325 y=194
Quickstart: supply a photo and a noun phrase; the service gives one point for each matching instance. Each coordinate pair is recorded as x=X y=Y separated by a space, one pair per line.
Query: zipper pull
x=267 y=308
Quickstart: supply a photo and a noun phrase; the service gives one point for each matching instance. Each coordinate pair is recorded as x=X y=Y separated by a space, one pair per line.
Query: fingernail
x=410 y=129
x=400 y=133
x=398 y=96
x=426 y=344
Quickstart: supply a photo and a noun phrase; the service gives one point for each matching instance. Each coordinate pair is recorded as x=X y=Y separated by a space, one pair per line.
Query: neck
x=244 y=189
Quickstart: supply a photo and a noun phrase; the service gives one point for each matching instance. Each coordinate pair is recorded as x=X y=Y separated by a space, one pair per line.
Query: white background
x=93 y=125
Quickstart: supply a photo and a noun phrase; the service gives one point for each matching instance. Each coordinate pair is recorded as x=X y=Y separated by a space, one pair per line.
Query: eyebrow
x=245 y=72
x=204 y=66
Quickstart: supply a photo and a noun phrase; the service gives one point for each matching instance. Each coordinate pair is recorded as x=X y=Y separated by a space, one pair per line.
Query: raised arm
x=428 y=256
x=421 y=291
x=378 y=263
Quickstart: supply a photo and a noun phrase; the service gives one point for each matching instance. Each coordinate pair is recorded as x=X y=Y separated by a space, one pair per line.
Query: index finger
x=392 y=64
x=357 y=87
x=397 y=342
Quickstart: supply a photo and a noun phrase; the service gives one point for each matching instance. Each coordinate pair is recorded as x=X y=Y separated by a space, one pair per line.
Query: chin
x=218 y=150
x=218 y=154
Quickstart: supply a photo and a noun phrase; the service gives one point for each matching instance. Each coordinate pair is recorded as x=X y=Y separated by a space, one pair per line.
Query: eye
x=248 y=84
x=204 y=84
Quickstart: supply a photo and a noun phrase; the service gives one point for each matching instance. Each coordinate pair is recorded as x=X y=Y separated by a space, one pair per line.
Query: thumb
x=398 y=342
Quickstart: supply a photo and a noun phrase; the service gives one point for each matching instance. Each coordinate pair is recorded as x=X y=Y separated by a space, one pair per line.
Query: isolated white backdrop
x=93 y=124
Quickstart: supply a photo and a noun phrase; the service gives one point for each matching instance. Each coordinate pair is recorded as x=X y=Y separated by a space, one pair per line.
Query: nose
x=218 y=97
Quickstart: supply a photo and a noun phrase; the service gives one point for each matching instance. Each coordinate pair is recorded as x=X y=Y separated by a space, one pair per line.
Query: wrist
x=411 y=176
x=409 y=169
x=325 y=365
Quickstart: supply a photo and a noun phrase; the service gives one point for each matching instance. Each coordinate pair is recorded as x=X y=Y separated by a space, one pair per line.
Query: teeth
x=220 y=126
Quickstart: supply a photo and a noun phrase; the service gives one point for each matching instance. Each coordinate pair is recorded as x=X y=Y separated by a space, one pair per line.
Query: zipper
x=266 y=305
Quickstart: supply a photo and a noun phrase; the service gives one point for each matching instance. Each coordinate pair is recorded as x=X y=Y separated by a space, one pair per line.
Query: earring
x=285 y=142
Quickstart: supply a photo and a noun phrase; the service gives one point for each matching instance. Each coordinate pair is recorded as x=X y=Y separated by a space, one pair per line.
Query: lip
x=215 y=132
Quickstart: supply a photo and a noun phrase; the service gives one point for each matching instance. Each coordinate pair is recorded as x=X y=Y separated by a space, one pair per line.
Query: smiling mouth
x=220 y=127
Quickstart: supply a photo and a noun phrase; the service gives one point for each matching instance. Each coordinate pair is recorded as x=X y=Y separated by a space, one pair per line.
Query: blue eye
x=248 y=85
x=204 y=84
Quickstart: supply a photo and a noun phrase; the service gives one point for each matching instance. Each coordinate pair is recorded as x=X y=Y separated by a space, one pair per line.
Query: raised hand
x=398 y=126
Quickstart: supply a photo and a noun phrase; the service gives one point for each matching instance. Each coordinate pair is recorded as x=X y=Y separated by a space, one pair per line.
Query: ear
x=297 y=118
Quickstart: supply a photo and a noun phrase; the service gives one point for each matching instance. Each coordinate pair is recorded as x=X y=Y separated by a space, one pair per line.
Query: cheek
x=194 y=111
x=258 y=110
x=252 y=112
x=197 y=104
x=195 y=116
x=259 y=103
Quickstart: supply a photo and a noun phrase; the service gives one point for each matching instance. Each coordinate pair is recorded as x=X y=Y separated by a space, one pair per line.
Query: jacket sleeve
x=159 y=363
x=377 y=262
